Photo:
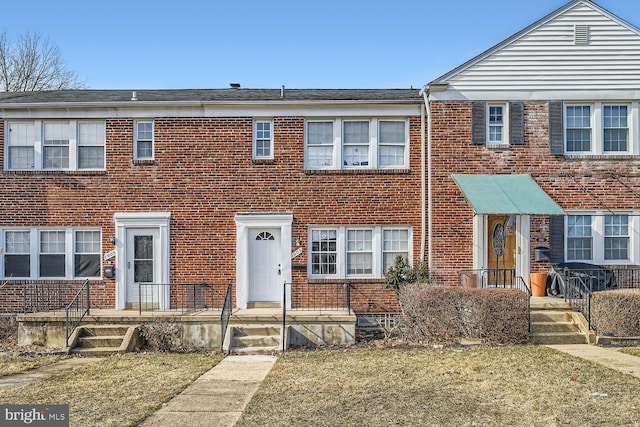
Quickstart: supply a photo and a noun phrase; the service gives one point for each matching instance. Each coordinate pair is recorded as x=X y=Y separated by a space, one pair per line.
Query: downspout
x=426 y=180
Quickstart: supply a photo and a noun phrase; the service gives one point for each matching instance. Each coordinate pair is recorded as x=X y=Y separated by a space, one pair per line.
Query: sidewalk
x=605 y=356
x=218 y=397
x=44 y=372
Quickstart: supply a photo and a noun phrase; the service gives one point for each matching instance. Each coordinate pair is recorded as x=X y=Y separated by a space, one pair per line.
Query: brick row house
x=534 y=148
x=253 y=187
x=524 y=156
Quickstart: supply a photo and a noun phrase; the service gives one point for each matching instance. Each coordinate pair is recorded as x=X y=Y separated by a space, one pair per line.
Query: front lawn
x=520 y=385
x=118 y=391
x=634 y=351
x=12 y=364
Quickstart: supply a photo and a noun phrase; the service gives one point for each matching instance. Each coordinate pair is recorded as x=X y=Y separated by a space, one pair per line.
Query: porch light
x=544 y=227
x=112 y=240
x=510 y=226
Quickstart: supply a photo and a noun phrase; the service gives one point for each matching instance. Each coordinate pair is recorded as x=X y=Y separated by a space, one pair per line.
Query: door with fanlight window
x=142 y=266
x=265 y=265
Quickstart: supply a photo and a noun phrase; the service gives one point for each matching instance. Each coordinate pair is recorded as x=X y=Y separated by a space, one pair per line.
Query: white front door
x=265 y=265
x=142 y=265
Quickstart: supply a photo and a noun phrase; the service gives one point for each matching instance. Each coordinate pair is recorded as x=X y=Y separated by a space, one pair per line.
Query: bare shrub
x=162 y=335
x=8 y=332
x=446 y=314
x=616 y=312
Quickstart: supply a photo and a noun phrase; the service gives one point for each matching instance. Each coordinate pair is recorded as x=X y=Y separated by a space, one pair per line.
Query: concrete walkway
x=218 y=397
x=606 y=356
x=44 y=372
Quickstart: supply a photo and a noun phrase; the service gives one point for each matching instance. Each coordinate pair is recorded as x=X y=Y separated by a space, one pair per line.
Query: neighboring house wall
x=203 y=174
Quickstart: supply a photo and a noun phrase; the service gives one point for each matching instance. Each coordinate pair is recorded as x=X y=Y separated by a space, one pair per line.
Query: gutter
x=426 y=199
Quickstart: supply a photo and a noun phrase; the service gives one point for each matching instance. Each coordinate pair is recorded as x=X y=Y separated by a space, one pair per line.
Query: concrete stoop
x=102 y=340
x=255 y=339
x=558 y=325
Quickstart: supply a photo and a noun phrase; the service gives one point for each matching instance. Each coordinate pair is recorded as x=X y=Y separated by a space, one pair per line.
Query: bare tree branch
x=33 y=63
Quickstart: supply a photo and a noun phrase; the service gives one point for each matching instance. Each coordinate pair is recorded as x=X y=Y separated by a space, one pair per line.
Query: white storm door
x=143 y=266
x=265 y=265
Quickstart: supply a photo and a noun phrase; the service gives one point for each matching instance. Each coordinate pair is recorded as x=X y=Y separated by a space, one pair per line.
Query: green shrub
x=616 y=312
x=402 y=273
x=447 y=314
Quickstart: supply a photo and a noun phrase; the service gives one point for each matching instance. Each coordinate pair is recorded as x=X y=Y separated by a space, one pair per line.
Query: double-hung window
x=495 y=124
x=358 y=251
x=355 y=143
x=370 y=143
x=17 y=254
x=55 y=145
x=262 y=139
x=51 y=253
x=578 y=128
x=55 y=149
x=21 y=143
x=143 y=140
x=600 y=238
x=616 y=128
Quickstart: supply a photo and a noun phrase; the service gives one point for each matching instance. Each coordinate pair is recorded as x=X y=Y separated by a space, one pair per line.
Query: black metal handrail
x=181 y=297
x=47 y=296
x=225 y=315
x=309 y=299
x=490 y=278
x=75 y=311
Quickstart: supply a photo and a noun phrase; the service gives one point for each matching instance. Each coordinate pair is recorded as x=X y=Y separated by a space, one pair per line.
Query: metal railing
x=75 y=311
x=314 y=297
x=577 y=285
x=181 y=297
x=492 y=278
x=47 y=296
x=226 y=314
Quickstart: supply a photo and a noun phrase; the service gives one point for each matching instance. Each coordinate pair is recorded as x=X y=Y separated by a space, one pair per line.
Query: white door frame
x=245 y=221
x=151 y=220
x=523 y=247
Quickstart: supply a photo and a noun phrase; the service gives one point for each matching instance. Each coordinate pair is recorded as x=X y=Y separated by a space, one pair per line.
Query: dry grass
x=12 y=364
x=634 y=351
x=119 y=391
x=516 y=386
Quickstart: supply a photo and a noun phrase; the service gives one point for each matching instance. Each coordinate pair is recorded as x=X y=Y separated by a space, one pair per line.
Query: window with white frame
x=55 y=145
x=601 y=238
x=495 y=124
x=51 y=253
x=262 y=139
x=367 y=251
x=17 y=253
x=371 y=143
x=143 y=140
x=599 y=128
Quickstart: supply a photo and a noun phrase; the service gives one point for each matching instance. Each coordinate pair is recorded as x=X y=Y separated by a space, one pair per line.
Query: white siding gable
x=547 y=61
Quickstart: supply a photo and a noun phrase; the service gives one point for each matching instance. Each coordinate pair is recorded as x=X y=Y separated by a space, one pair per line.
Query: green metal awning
x=506 y=194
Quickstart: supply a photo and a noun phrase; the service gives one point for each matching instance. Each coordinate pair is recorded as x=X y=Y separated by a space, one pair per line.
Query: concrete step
x=264 y=304
x=105 y=330
x=254 y=330
x=550 y=338
x=550 y=316
x=100 y=341
x=255 y=350
x=255 y=341
x=544 y=327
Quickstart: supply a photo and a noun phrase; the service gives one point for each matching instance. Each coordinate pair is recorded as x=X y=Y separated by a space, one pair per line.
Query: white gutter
x=426 y=212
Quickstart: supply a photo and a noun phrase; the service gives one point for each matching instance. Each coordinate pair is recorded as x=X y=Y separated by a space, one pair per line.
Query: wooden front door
x=501 y=256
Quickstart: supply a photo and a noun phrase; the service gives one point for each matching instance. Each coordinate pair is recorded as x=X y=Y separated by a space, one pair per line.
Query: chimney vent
x=134 y=96
x=235 y=85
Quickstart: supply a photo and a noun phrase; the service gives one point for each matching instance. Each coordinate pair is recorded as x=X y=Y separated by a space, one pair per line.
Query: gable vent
x=581 y=35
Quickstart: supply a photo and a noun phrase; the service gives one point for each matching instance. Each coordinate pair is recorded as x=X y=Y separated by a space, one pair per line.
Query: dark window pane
x=52 y=266
x=87 y=266
x=17 y=266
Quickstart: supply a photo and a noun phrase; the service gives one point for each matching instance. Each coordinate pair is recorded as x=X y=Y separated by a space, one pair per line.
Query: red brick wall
x=454 y=153
x=203 y=174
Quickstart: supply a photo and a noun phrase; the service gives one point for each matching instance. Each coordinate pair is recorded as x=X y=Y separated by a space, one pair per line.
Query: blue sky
x=139 y=44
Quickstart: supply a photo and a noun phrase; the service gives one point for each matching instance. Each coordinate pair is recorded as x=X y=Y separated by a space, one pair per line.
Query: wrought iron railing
x=48 y=296
x=226 y=314
x=181 y=297
x=75 y=311
x=314 y=297
x=577 y=285
x=492 y=278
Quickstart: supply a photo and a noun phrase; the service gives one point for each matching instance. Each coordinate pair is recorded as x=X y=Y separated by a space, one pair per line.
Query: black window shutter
x=478 y=122
x=516 y=123
x=556 y=127
x=556 y=240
